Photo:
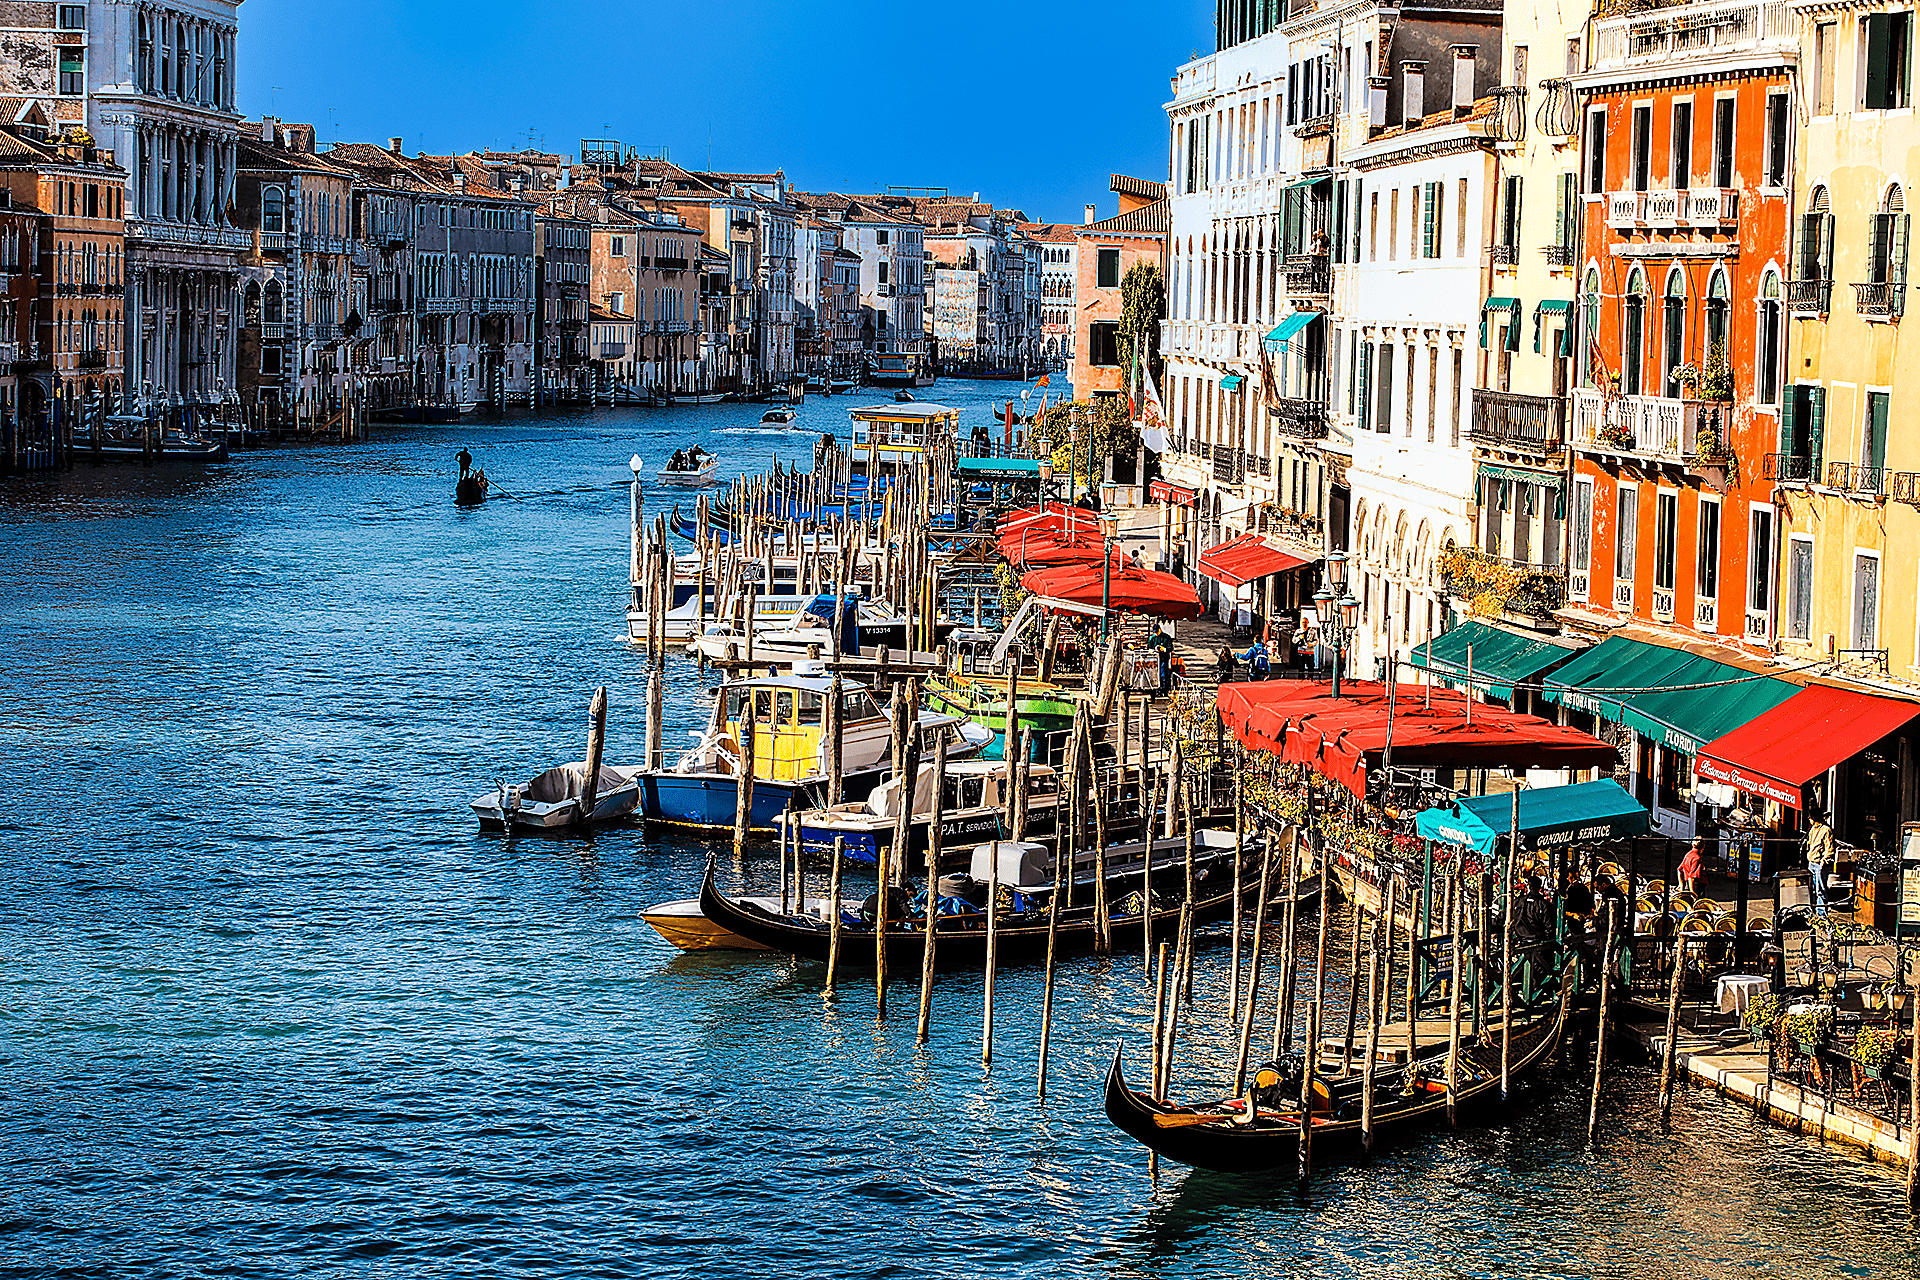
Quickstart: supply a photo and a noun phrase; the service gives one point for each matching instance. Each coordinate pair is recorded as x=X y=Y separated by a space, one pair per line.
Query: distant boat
x=974 y=809
x=777 y=416
x=903 y=396
x=698 y=397
x=840 y=386
x=126 y=445
x=552 y=799
x=419 y=413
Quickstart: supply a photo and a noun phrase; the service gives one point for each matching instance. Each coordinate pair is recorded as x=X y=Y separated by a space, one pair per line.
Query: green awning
x=1680 y=700
x=1231 y=382
x=1500 y=655
x=1509 y=305
x=1553 y=307
x=1599 y=810
x=1286 y=330
x=999 y=468
x=1521 y=475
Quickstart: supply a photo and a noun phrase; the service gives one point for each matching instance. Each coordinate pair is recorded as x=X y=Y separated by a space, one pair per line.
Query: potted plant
x=1614 y=435
x=1873 y=1050
x=1716 y=375
x=1808 y=1027
x=1763 y=1016
x=1688 y=376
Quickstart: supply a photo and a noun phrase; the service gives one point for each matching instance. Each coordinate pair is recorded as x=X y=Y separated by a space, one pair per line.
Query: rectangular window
x=1626 y=532
x=1760 y=560
x=1723 y=142
x=1866 y=602
x=1393 y=223
x=619 y=249
x=1460 y=222
x=1706 y=581
x=1823 y=51
x=883 y=266
x=880 y=236
x=1800 y=589
x=73 y=17
x=1666 y=528
x=73 y=70
x=1682 y=145
x=1103 y=343
x=1778 y=139
x=1383 y=405
x=1430 y=220
x=1873 y=439
x=1373 y=227
x=1887 y=51
x=1597 y=149
x=1510 y=212
x=1109 y=269
x=1642 y=148
x=1580 y=553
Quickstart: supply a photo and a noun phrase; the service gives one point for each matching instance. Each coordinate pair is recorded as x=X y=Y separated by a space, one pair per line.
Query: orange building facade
x=1685 y=194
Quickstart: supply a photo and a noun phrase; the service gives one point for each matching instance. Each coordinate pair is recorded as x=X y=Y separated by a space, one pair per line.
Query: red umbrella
x=1050 y=518
x=1124 y=586
x=1024 y=549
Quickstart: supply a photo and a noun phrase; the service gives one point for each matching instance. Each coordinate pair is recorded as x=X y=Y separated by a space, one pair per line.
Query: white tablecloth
x=1736 y=990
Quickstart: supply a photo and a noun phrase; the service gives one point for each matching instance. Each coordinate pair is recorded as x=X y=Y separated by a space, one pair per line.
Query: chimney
x=1376 y=102
x=267 y=124
x=393 y=145
x=519 y=184
x=1463 y=56
x=1091 y=219
x=1413 y=91
x=459 y=181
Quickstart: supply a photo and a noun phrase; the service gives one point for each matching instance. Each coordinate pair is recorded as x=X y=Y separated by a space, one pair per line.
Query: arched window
x=1633 y=345
x=1715 y=312
x=1812 y=284
x=272 y=312
x=1886 y=291
x=1673 y=326
x=273 y=210
x=1772 y=330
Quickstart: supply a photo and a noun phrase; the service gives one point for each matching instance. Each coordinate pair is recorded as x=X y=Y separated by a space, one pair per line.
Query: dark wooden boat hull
x=1274 y=1142
x=961 y=941
x=468 y=492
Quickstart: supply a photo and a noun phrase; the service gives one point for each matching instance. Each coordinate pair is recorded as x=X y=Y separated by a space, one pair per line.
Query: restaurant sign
x=1161 y=491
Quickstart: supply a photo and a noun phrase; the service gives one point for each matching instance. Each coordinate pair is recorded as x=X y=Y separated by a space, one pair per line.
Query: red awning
x=1050 y=518
x=1346 y=737
x=1776 y=754
x=1246 y=558
x=1124 y=587
x=1031 y=547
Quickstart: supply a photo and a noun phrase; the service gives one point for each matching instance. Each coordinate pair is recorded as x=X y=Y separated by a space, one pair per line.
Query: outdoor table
x=1735 y=991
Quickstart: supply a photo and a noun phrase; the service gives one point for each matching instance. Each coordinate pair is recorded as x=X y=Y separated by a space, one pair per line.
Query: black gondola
x=1021 y=936
x=1218 y=1136
x=470 y=490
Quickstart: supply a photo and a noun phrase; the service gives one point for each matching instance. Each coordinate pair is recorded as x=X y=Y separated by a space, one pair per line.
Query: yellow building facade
x=1848 y=467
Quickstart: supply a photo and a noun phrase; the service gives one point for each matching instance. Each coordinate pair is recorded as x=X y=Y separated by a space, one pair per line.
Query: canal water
x=270 y=1005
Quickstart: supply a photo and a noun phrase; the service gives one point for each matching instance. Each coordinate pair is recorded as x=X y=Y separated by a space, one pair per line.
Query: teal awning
x=1287 y=329
x=999 y=468
x=1678 y=699
x=1496 y=654
x=1231 y=382
x=1553 y=307
x=1585 y=811
x=1521 y=475
x=1509 y=305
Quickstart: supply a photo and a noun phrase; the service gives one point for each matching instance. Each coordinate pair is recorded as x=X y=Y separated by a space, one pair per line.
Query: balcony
x=94 y=359
x=1229 y=465
x=1879 y=298
x=1523 y=424
x=1301 y=419
x=325 y=331
x=1503 y=255
x=670 y=264
x=1788 y=468
x=1651 y=428
x=1711 y=207
x=610 y=351
x=272 y=332
x=188 y=233
x=1809 y=297
x=1308 y=275
x=1560 y=255
x=1300 y=526
x=1668 y=210
x=1904 y=486
x=1693 y=33
x=1315 y=126
x=1491 y=584
x=1849 y=477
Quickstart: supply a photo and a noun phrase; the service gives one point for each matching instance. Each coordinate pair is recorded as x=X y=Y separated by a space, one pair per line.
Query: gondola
x=1218 y=1136
x=470 y=490
x=1020 y=935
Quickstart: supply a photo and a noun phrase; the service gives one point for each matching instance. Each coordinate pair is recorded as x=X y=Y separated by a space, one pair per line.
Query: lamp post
x=1339 y=616
x=1026 y=413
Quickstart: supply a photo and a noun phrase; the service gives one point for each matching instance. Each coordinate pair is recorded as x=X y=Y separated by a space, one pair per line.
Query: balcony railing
x=1788 y=468
x=1229 y=464
x=612 y=351
x=94 y=359
x=1879 y=298
x=1503 y=255
x=1314 y=126
x=1512 y=586
x=1691 y=32
x=1301 y=419
x=1560 y=255
x=1854 y=478
x=1651 y=427
x=1904 y=486
x=1814 y=296
x=1508 y=420
x=1307 y=274
x=1698 y=207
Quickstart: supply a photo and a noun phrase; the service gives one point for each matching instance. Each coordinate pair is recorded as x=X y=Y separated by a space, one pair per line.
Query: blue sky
x=1030 y=103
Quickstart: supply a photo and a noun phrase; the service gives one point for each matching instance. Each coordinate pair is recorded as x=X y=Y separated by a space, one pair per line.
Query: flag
x=1009 y=423
x=1269 y=391
x=1597 y=367
x=1043 y=381
x=1153 y=417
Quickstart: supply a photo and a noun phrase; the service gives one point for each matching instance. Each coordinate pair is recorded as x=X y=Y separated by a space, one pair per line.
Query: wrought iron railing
x=1301 y=419
x=1560 y=255
x=1502 y=255
x=1307 y=274
x=1513 y=421
x=1509 y=120
x=1854 y=478
x=1904 y=486
x=1558 y=115
x=1810 y=295
x=1788 y=468
x=1878 y=298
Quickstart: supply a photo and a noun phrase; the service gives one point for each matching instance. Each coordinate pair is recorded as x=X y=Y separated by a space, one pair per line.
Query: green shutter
x=1877 y=403
x=1816 y=427
x=1787 y=403
x=1809 y=264
x=1365 y=405
x=1513 y=330
x=1897 y=266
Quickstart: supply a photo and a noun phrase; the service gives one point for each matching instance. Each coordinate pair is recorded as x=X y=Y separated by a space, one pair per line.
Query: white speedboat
x=694 y=469
x=776 y=417
x=553 y=799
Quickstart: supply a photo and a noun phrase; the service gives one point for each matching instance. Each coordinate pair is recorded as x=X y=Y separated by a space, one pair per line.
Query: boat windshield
x=777 y=706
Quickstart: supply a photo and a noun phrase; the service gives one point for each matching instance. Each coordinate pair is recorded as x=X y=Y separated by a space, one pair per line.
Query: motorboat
x=903 y=396
x=976 y=796
x=695 y=469
x=1039 y=705
x=777 y=417
x=786 y=714
x=684 y=925
x=121 y=439
x=554 y=799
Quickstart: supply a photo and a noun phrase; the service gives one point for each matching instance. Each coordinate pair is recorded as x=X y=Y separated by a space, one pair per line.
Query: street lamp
x=1339 y=616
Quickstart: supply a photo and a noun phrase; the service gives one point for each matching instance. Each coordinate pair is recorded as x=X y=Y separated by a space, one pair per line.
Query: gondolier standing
x=465 y=460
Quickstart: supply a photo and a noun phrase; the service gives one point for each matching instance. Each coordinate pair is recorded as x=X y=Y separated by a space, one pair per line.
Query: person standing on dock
x=1162 y=645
